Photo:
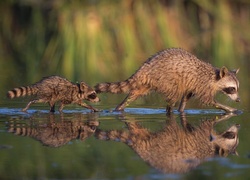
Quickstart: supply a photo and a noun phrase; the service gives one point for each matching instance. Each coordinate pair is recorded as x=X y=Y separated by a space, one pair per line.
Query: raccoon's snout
x=95 y=100
x=235 y=97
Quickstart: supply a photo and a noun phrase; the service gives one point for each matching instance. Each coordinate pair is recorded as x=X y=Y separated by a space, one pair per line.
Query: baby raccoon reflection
x=56 y=134
x=176 y=149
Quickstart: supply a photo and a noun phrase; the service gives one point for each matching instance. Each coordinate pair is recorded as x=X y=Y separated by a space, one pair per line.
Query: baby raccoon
x=55 y=133
x=178 y=75
x=54 y=88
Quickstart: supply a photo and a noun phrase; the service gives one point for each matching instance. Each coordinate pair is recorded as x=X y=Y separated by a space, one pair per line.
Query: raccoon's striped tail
x=21 y=91
x=115 y=87
x=23 y=131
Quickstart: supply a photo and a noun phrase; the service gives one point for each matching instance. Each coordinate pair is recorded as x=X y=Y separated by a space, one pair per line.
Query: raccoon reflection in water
x=54 y=133
x=176 y=149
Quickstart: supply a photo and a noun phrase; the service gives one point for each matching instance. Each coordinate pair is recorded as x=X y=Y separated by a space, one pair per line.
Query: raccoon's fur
x=54 y=88
x=178 y=75
x=55 y=134
x=175 y=149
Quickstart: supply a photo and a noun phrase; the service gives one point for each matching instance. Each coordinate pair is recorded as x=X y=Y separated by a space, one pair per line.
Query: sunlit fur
x=175 y=149
x=54 y=88
x=175 y=73
x=55 y=133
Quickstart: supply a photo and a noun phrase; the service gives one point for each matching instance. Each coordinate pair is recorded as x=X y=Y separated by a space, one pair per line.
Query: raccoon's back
x=55 y=85
x=175 y=70
x=46 y=86
x=54 y=82
x=172 y=72
x=173 y=60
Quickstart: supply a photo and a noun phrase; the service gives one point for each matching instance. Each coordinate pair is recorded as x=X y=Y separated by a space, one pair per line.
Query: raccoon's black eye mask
x=229 y=90
x=92 y=95
x=229 y=135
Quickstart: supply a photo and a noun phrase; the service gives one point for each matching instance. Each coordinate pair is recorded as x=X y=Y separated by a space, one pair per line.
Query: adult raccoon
x=178 y=75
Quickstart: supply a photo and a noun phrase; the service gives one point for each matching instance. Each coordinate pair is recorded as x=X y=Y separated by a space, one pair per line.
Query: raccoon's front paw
x=233 y=111
x=95 y=110
x=225 y=108
x=237 y=112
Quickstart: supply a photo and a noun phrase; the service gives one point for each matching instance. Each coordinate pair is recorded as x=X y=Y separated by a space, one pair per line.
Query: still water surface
x=109 y=145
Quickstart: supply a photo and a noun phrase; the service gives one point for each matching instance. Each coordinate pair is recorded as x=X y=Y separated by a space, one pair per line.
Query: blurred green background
x=108 y=40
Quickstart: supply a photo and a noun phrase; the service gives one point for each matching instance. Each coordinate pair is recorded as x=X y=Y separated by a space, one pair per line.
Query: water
x=73 y=145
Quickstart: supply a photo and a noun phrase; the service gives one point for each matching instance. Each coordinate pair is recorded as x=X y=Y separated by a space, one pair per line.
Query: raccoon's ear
x=223 y=72
x=83 y=86
x=235 y=153
x=235 y=71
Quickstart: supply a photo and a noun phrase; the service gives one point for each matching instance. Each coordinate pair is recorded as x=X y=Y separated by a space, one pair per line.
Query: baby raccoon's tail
x=23 y=131
x=22 y=91
x=116 y=87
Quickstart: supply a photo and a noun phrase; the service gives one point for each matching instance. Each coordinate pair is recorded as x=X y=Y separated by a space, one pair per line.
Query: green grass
x=109 y=40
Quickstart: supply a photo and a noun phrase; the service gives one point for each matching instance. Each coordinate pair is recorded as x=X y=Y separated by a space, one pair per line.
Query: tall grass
x=108 y=40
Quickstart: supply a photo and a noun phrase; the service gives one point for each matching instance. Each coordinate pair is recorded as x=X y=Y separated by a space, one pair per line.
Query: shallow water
x=73 y=145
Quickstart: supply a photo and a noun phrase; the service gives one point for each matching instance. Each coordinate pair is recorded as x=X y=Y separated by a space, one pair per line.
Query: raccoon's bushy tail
x=23 y=131
x=115 y=87
x=22 y=91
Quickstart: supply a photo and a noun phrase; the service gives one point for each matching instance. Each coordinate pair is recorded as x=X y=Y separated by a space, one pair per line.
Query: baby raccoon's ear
x=83 y=86
x=223 y=72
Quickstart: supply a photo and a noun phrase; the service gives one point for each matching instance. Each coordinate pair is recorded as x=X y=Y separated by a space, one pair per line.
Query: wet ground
x=114 y=145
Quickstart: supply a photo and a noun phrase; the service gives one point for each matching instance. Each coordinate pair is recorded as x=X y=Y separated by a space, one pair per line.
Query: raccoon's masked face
x=229 y=84
x=227 y=142
x=89 y=93
x=92 y=96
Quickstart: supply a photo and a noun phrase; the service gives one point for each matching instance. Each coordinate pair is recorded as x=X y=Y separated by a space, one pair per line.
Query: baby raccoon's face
x=92 y=96
x=88 y=93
